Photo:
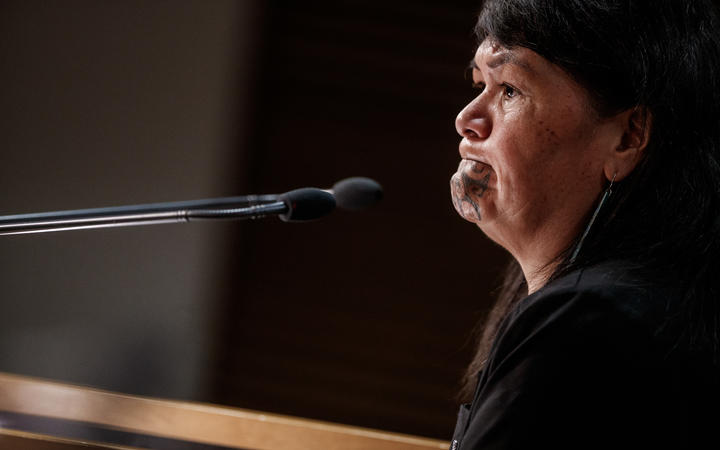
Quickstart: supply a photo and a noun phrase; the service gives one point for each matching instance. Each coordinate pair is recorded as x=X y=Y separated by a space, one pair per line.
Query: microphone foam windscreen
x=357 y=193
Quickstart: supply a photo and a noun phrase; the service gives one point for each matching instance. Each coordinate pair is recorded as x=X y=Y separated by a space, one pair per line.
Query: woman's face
x=532 y=151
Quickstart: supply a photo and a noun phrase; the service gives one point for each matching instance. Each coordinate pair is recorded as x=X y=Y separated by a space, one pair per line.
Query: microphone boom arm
x=249 y=207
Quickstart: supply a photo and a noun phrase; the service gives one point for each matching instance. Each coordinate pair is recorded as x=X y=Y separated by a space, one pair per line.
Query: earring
x=604 y=197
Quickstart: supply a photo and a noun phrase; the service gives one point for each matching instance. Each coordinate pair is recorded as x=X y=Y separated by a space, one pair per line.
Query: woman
x=592 y=154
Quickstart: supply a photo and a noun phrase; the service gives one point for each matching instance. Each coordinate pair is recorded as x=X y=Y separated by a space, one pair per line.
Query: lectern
x=46 y=415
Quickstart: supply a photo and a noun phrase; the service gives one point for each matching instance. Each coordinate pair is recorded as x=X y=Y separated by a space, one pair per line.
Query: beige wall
x=111 y=103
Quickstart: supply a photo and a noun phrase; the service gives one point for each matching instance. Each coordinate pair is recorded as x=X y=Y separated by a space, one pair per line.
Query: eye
x=510 y=91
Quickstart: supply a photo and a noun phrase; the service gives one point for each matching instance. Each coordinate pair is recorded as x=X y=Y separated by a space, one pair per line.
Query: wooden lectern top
x=193 y=424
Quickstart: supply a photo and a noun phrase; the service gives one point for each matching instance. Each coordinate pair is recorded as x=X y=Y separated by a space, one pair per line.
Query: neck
x=540 y=258
x=537 y=277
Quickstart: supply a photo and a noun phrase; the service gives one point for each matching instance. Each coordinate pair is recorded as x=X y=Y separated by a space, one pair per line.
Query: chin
x=471 y=197
x=466 y=206
x=470 y=210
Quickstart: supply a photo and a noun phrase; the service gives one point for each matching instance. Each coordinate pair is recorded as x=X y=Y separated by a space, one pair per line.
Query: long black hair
x=662 y=57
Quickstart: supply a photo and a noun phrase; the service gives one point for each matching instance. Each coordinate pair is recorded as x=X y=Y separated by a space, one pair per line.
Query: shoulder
x=613 y=291
x=618 y=289
x=582 y=352
x=585 y=352
x=611 y=309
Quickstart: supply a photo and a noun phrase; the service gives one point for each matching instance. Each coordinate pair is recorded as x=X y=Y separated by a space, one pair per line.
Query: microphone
x=299 y=205
x=357 y=193
x=307 y=204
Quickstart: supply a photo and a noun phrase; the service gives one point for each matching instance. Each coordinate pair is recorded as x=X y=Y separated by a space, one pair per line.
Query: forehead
x=493 y=56
x=524 y=63
x=541 y=78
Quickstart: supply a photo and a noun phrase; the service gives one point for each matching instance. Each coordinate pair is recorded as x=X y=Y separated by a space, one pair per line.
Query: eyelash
x=510 y=91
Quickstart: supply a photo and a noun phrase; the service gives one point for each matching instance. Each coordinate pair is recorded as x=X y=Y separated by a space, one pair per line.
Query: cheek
x=542 y=153
x=536 y=161
x=526 y=150
x=547 y=137
x=565 y=161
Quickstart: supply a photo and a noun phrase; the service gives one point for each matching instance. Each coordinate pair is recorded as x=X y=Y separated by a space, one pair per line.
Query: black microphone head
x=357 y=193
x=306 y=204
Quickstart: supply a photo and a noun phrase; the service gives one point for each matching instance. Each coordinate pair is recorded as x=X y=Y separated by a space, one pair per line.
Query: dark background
x=360 y=318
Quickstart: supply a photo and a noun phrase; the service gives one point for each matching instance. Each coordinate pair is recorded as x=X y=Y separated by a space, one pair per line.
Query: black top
x=586 y=363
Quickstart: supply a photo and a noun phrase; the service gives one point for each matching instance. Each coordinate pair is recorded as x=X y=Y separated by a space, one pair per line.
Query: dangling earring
x=604 y=197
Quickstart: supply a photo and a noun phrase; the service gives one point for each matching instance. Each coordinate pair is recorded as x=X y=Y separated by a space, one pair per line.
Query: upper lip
x=466 y=152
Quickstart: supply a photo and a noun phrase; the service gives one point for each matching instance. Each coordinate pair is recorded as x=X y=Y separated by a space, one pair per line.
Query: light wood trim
x=197 y=422
x=22 y=440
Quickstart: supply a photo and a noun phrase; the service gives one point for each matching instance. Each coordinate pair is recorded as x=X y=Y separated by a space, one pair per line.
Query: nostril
x=477 y=128
x=469 y=133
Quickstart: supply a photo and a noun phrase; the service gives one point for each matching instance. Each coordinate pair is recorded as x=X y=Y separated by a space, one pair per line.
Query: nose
x=473 y=123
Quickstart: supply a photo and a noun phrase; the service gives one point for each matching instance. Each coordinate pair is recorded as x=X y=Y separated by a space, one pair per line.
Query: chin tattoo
x=465 y=186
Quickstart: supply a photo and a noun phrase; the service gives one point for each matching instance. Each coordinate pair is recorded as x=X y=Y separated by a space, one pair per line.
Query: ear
x=635 y=124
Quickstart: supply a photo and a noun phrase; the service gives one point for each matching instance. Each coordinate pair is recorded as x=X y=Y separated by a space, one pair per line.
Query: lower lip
x=477 y=170
x=474 y=164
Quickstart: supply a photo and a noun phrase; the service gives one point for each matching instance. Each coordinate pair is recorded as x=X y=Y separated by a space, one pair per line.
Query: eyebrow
x=504 y=57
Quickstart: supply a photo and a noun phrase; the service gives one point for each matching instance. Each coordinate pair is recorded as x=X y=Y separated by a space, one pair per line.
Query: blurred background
x=361 y=318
